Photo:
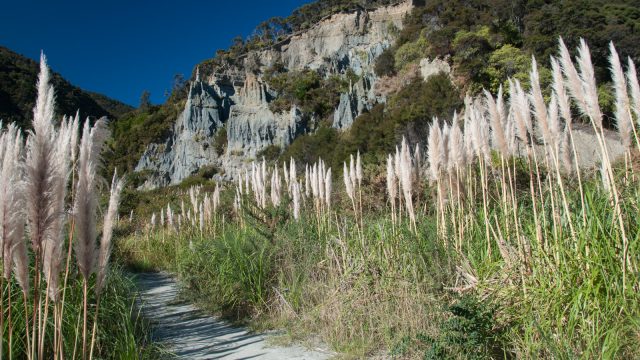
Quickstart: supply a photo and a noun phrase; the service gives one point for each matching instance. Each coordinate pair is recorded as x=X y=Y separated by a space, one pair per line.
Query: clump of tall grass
x=33 y=196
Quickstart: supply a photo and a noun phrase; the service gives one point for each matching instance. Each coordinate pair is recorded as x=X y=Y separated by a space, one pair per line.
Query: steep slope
x=18 y=74
x=238 y=99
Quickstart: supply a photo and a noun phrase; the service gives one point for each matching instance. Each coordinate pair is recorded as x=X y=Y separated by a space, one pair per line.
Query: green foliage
x=201 y=177
x=360 y=286
x=385 y=63
x=18 y=75
x=220 y=141
x=471 y=52
x=598 y=22
x=145 y=100
x=480 y=35
x=307 y=90
x=120 y=333
x=134 y=132
x=270 y=153
x=420 y=101
x=411 y=52
x=321 y=144
x=607 y=101
x=376 y=132
x=507 y=62
x=470 y=332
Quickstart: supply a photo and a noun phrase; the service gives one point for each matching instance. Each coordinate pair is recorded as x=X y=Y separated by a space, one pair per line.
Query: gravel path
x=190 y=334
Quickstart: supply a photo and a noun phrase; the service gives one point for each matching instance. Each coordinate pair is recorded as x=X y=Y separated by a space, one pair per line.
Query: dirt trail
x=190 y=334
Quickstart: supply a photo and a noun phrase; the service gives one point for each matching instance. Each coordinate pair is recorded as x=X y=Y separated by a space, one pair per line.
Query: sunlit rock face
x=237 y=100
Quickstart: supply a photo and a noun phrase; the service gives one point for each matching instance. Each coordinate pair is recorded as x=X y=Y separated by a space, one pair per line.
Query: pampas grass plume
x=107 y=230
x=434 y=151
x=623 y=108
x=632 y=79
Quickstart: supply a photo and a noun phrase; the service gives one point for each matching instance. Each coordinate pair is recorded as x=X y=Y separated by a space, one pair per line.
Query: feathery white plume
x=623 y=107
x=456 y=149
x=86 y=201
x=560 y=92
x=434 y=151
x=348 y=185
x=327 y=189
x=12 y=205
x=359 y=169
x=107 y=231
x=499 y=139
x=632 y=79
x=392 y=185
x=539 y=107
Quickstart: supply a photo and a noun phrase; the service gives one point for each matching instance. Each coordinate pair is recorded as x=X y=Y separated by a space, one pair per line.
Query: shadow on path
x=191 y=334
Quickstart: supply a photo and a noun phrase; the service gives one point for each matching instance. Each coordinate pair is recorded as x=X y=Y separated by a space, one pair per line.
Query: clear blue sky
x=120 y=48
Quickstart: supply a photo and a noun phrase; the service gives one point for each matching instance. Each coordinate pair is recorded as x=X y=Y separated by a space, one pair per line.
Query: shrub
x=307 y=90
x=385 y=63
x=507 y=62
x=220 y=141
x=411 y=52
x=470 y=332
x=270 y=153
x=413 y=107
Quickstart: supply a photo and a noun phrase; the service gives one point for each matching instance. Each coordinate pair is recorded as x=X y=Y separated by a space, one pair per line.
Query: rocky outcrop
x=237 y=100
x=190 y=145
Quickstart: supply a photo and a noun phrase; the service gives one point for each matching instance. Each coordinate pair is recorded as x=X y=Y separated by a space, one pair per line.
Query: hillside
x=359 y=78
x=18 y=75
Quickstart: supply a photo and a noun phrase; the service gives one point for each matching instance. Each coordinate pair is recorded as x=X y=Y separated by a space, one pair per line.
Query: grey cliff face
x=190 y=145
x=238 y=101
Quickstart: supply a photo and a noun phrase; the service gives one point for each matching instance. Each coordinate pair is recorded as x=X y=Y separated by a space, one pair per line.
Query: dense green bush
x=270 y=153
x=470 y=332
x=507 y=62
x=220 y=141
x=309 y=147
x=385 y=64
x=411 y=52
x=306 y=89
x=480 y=35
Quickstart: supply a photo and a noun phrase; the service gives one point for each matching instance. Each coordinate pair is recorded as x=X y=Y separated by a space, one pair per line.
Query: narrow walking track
x=190 y=334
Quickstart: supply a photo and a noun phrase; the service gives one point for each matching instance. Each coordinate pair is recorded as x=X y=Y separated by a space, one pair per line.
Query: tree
x=145 y=101
x=178 y=82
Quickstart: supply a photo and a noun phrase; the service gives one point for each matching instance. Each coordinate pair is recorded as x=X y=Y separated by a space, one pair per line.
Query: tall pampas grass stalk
x=584 y=90
x=392 y=188
x=623 y=110
x=45 y=192
x=12 y=246
x=634 y=87
x=455 y=163
x=358 y=177
x=406 y=179
x=327 y=190
x=84 y=209
x=296 y=199
x=569 y=152
x=497 y=124
x=435 y=157
x=104 y=252
x=551 y=133
x=73 y=126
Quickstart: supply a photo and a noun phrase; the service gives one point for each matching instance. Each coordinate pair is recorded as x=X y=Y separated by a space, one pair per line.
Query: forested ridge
x=18 y=76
